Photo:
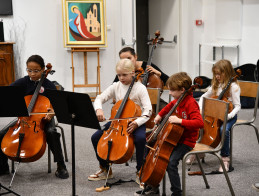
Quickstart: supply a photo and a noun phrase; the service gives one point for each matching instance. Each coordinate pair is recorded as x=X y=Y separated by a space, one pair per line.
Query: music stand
x=73 y=109
x=12 y=104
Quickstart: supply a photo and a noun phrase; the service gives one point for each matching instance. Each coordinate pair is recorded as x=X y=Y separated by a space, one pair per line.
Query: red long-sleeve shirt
x=192 y=120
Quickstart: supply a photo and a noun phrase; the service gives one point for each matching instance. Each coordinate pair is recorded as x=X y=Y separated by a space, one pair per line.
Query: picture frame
x=84 y=23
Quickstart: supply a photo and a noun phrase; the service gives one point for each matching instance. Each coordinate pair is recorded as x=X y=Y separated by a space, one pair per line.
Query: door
x=164 y=16
x=140 y=19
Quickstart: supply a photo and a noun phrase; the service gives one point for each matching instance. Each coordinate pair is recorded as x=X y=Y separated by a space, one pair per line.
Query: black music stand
x=12 y=105
x=73 y=109
x=12 y=102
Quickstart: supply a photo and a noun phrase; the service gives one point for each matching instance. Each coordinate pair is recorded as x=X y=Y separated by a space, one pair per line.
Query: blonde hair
x=125 y=65
x=225 y=67
x=178 y=81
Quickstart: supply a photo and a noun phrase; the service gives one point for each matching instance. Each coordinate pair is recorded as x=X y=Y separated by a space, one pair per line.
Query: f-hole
x=121 y=128
x=34 y=128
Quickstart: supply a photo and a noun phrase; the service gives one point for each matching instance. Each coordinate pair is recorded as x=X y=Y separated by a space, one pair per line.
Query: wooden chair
x=219 y=112
x=248 y=89
x=154 y=95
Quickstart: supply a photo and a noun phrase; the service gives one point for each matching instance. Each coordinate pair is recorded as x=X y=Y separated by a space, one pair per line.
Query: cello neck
x=221 y=95
x=146 y=73
x=37 y=90
x=238 y=74
x=161 y=125
x=198 y=82
x=118 y=114
x=151 y=55
x=36 y=93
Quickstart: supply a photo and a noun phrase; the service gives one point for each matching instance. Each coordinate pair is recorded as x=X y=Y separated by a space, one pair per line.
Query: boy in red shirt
x=190 y=118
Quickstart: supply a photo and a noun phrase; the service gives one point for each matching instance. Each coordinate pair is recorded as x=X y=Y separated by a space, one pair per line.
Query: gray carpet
x=33 y=178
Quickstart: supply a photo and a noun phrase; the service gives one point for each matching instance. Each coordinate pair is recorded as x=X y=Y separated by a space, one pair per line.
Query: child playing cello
x=125 y=72
x=189 y=118
x=35 y=68
x=222 y=73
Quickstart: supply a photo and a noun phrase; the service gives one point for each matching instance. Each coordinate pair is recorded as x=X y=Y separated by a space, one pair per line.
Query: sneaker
x=149 y=190
x=141 y=184
x=256 y=186
x=137 y=177
x=100 y=175
x=226 y=164
x=62 y=171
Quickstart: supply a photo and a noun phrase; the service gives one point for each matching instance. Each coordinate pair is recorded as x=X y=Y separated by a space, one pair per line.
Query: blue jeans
x=225 y=149
x=139 y=136
x=172 y=169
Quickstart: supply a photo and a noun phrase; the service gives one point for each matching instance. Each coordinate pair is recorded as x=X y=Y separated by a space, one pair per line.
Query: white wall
x=164 y=16
x=249 y=46
x=190 y=35
x=36 y=28
x=227 y=21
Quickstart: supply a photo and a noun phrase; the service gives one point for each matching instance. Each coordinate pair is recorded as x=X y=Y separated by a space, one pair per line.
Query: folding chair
x=248 y=89
x=219 y=112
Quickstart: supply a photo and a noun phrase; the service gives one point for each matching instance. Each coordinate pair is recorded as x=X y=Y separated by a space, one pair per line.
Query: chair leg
x=231 y=147
x=64 y=142
x=256 y=131
x=12 y=167
x=225 y=173
x=184 y=174
x=203 y=173
x=164 y=185
x=231 y=142
x=49 y=160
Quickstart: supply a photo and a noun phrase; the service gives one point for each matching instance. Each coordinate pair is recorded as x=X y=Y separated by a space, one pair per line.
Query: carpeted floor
x=33 y=178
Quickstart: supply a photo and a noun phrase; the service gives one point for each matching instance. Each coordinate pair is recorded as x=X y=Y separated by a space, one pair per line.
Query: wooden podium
x=86 y=84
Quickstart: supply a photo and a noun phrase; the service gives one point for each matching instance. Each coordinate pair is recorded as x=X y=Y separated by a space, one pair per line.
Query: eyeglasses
x=34 y=71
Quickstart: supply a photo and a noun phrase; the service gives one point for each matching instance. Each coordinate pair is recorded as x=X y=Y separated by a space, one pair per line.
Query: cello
x=152 y=80
x=26 y=140
x=116 y=144
x=166 y=137
x=211 y=133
